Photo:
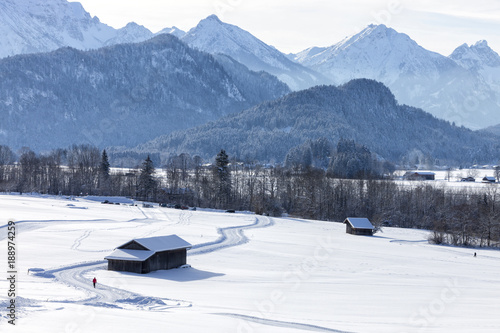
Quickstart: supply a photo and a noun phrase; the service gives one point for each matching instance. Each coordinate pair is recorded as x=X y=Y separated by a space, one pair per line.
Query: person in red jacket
x=94 y=281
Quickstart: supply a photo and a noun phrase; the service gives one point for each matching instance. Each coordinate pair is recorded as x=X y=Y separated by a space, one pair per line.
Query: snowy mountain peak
x=438 y=84
x=487 y=55
x=372 y=53
x=476 y=56
x=29 y=26
x=481 y=44
x=216 y=37
x=307 y=53
x=213 y=23
x=172 y=31
x=131 y=33
x=380 y=33
x=212 y=18
x=33 y=26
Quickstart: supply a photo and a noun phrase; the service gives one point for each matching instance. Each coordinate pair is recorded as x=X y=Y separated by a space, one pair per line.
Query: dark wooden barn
x=143 y=255
x=358 y=226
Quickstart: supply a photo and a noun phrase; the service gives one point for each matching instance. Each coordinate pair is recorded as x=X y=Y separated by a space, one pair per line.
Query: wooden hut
x=358 y=226
x=489 y=180
x=143 y=255
x=419 y=175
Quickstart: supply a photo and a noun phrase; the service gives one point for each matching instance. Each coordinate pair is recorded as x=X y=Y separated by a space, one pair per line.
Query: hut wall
x=365 y=232
x=353 y=231
x=166 y=260
x=125 y=266
x=177 y=258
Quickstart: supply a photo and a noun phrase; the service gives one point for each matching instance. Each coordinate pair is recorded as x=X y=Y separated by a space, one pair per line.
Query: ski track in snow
x=230 y=236
x=79 y=240
x=283 y=324
x=78 y=275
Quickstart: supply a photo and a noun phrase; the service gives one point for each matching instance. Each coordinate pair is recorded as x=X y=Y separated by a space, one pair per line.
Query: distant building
x=358 y=226
x=468 y=179
x=419 y=175
x=487 y=179
x=144 y=255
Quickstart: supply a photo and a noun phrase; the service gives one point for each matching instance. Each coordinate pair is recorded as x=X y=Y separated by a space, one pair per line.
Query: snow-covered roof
x=131 y=255
x=162 y=243
x=360 y=223
x=152 y=244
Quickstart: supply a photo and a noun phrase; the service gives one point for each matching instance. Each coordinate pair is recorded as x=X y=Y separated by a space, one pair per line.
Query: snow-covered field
x=248 y=273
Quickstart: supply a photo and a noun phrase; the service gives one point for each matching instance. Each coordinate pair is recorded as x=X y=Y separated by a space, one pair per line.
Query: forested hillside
x=361 y=110
x=121 y=95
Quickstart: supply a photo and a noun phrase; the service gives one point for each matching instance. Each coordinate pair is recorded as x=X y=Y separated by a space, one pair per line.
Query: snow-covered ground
x=248 y=273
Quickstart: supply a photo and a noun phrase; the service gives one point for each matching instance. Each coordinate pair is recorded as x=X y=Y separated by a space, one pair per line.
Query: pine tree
x=223 y=179
x=147 y=183
x=104 y=177
x=104 y=167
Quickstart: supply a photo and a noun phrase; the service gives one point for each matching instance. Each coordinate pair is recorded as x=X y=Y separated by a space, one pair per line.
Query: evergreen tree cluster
x=353 y=161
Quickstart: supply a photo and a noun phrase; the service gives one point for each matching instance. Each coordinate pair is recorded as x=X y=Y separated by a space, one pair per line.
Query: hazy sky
x=293 y=25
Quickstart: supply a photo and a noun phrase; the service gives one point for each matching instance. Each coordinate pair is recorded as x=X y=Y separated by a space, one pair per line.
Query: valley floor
x=248 y=273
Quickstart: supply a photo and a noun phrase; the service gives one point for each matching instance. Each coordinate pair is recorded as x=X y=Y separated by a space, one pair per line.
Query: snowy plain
x=249 y=273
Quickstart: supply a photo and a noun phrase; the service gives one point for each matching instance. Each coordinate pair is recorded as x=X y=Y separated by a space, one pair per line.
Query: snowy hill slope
x=265 y=274
x=417 y=77
x=213 y=36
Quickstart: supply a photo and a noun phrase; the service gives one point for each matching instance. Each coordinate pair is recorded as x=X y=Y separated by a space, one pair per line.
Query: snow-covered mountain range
x=459 y=88
x=214 y=36
x=463 y=88
x=32 y=26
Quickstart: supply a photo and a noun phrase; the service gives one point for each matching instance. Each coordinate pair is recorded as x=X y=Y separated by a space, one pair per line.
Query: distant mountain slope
x=362 y=110
x=213 y=36
x=416 y=76
x=495 y=130
x=121 y=95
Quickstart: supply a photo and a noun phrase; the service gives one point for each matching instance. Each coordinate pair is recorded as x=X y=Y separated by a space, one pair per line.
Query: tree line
x=457 y=216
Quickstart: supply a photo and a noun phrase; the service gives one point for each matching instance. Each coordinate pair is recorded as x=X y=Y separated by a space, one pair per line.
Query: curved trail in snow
x=106 y=296
x=230 y=236
x=78 y=275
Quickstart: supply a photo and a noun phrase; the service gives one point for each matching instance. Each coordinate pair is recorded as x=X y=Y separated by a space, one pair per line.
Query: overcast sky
x=294 y=25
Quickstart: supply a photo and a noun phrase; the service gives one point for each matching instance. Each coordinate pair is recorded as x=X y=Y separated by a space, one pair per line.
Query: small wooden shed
x=489 y=180
x=143 y=255
x=419 y=175
x=358 y=226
